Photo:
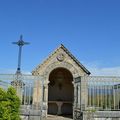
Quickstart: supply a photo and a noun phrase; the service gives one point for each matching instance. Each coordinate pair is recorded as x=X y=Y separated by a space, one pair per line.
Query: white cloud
x=113 y=71
x=96 y=70
x=12 y=71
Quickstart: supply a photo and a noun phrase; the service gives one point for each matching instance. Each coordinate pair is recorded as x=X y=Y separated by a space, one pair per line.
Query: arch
x=60 y=91
x=65 y=65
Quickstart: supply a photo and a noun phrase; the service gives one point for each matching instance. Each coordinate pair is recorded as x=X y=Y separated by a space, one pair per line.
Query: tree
x=9 y=104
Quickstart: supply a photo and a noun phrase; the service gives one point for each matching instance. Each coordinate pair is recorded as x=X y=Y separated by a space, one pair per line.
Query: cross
x=20 y=43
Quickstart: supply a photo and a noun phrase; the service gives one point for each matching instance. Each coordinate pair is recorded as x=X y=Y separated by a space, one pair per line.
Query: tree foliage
x=9 y=104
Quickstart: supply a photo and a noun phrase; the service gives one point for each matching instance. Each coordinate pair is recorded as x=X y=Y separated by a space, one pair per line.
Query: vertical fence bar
x=105 y=96
x=101 y=93
x=98 y=94
x=29 y=93
x=23 y=101
x=93 y=95
x=90 y=95
x=25 y=95
x=109 y=98
x=119 y=95
x=114 y=97
x=88 y=103
x=117 y=99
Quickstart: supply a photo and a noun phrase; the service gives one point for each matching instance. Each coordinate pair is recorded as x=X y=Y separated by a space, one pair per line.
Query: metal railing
x=25 y=87
x=96 y=97
x=103 y=92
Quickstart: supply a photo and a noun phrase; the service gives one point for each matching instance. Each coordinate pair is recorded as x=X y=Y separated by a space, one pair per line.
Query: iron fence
x=25 y=86
x=103 y=92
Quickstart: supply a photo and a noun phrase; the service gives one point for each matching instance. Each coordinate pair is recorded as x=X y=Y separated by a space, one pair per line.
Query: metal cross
x=20 y=43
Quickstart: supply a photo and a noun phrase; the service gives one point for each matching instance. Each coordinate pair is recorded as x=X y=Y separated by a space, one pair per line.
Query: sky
x=90 y=29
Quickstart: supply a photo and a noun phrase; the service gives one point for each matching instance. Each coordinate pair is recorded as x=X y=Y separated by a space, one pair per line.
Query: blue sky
x=90 y=29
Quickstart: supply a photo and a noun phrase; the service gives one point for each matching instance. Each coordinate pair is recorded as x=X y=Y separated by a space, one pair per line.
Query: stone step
x=55 y=117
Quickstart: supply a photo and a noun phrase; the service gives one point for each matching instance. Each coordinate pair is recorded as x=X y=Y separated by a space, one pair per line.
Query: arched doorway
x=60 y=92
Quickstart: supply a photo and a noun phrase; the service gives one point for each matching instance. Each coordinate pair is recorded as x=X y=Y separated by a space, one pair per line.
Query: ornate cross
x=20 y=43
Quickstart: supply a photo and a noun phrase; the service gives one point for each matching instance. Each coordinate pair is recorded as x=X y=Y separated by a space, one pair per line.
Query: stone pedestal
x=59 y=105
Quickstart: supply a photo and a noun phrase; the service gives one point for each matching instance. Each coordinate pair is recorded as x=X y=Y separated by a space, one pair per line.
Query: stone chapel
x=59 y=71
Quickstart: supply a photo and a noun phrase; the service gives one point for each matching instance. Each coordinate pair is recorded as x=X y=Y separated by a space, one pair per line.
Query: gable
x=60 y=54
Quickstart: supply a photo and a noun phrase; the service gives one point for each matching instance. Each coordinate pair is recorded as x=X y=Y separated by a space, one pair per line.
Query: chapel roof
x=69 y=53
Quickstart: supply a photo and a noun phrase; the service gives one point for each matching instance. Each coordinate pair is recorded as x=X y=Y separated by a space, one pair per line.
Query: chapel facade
x=60 y=71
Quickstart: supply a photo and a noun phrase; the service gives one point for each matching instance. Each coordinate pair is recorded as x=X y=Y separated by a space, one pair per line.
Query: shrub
x=9 y=104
